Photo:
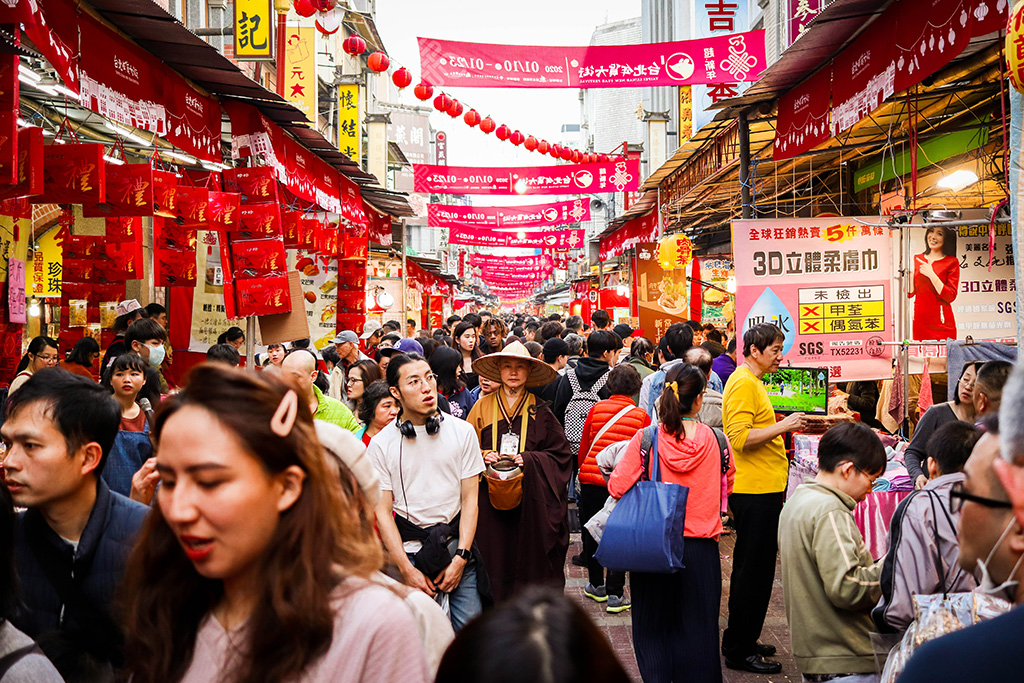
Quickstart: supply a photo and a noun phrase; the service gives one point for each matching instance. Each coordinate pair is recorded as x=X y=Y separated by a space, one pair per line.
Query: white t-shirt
x=425 y=474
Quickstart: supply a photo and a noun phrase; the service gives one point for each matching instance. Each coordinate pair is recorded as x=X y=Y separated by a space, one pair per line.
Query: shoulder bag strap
x=645 y=452
x=608 y=424
x=723 y=448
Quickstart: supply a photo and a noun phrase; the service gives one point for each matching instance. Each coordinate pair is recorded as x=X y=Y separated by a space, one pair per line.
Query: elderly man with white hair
x=991 y=650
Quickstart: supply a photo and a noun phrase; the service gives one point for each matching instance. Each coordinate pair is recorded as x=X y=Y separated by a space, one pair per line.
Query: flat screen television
x=798 y=390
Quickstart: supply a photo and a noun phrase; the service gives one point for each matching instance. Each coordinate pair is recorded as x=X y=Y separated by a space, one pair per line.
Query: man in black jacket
x=72 y=542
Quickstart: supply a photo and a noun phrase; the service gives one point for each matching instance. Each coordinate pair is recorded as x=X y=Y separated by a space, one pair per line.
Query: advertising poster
x=717 y=306
x=826 y=282
x=662 y=293
x=320 y=291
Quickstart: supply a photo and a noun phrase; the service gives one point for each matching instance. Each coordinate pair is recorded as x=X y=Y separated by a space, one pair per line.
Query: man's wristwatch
x=464 y=554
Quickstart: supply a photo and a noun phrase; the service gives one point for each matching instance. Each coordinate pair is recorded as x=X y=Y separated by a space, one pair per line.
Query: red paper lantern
x=304 y=8
x=531 y=143
x=604 y=158
x=472 y=118
x=454 y=109
x=565 y=154
x=487 y=125
x=543 y=146
x=402 y=78
x=503 y=132
x=323 y=5
x=555 y=151
x=423 y=91
x=378 y=62
x=516 y=138
x=577 y=156
x=442 y=102
x=353 y=45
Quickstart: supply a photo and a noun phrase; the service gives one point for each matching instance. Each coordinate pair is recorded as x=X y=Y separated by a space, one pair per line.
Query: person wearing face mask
x=145 y=338
x=991 y=544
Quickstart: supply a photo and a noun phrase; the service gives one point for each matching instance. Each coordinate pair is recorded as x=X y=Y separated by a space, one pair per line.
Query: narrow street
x=618 y=627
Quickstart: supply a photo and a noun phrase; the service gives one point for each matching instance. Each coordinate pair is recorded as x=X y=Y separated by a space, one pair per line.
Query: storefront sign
x=253 y=19
x=567 y=179
x=47 y=267
x=300 y=83
x=636 y=231
x=349 y=139
x=531 y=216
x=864 y=75
x=16 y=291
x=803 y=121
x=715 y=18
x=563 y=239
x=717 y=306
x=320 y=291
x=663 y=293
x=801 y=14
x=826 y=283
x=720 y=59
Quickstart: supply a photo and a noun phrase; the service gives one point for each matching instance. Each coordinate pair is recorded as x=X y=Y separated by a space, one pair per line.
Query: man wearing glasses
x=429 y=468
x=990 y=501
x=923 y=545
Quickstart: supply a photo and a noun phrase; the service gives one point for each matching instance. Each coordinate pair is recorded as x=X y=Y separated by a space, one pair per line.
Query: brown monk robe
x=526 y=545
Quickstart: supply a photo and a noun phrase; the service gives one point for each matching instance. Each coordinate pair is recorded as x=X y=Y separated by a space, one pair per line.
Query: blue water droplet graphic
x=769 y=309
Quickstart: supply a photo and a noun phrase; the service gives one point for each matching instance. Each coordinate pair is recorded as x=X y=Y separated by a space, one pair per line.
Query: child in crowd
x=829 y=579
x=132 y=447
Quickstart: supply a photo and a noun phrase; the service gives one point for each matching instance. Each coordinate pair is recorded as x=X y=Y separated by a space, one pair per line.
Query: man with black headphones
x=429 y=469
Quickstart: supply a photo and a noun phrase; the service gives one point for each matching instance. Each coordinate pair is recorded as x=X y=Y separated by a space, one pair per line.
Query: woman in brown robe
x=527 y=544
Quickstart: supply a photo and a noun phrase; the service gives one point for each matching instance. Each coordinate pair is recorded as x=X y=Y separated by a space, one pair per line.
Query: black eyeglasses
x=957 y=496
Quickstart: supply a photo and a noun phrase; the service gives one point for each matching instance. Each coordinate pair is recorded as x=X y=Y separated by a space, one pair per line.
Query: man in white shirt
x=429 y=469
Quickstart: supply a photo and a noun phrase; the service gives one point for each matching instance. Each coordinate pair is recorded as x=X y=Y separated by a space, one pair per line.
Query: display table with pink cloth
x=873 y=514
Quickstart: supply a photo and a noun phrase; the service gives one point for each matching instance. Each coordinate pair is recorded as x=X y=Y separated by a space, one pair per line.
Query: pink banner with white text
x=513 y=261
x=531 y=216
x=616 y=176
x=562 y=239
x=732 y=58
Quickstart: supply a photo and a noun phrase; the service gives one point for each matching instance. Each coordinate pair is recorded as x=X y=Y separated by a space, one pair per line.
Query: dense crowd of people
x=397 y=506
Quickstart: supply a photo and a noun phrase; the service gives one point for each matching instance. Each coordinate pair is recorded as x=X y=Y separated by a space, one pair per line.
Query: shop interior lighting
x=184 y=158
x=128 y=134
x=33 y=308
x=213 y=166
x=385 y=300
x=63 y=90
x=22 y=122
x=27 y=75
x=958 y=180
x=113 y=160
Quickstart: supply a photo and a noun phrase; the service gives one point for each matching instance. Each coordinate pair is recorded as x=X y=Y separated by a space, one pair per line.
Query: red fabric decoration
x=423 y=91
x=503 y=132
x=304 y=8
x=353 y=45
x=487 y=125
x=530 y=143
x=402 y=78
x=378 y=61
x=516 y=138
x=543 y=146
x=472 y=118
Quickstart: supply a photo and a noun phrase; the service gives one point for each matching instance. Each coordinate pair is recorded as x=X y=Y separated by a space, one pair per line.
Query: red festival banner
x=531 y=216
x=803 y=122
x=729 y=58
x=563 y=239
x=511 y=261
x=636 y=231
x=616 y=176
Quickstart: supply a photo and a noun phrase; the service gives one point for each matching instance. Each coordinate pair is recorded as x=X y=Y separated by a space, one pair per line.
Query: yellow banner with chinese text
x=253 y=19
x=349 y=139
x=47 y=266
x=300 y=84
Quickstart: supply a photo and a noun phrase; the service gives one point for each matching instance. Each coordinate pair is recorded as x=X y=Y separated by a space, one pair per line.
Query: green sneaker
x=598 y=593
x=618 y=603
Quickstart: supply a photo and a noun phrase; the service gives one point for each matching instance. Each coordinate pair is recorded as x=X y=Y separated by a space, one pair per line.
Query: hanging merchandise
x=73 y=174
x=129 y=192
x=29 y=180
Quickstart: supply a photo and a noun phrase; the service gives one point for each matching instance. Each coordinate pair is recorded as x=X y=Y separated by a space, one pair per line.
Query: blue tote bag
x=644 y=532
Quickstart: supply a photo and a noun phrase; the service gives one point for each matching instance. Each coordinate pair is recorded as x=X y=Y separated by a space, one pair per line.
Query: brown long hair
x=318 y=540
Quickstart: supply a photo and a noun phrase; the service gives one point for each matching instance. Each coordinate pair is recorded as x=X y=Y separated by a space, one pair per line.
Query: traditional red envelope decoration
x=290 y=221
x=169 y=235
x=309 y=228
x=258 y=258
x=352 y=273
x=222 y=211
x=129 y=192
x=124 y=229
x=30 y=165
x=123 y=261
x=79 y=269
x=165 y=189
x=192 y=205
x=256 y=183
x=263 y=296
x=73 y=174
x=258 y=220
x=81 y=247
x=174 y=268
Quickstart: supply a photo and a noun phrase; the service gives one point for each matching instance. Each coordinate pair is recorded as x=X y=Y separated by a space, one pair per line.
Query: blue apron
x=130 y=451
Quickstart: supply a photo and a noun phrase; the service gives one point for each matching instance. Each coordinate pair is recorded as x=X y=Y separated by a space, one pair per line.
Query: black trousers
x=675 y=618
x=756 y=517
x=591 y=501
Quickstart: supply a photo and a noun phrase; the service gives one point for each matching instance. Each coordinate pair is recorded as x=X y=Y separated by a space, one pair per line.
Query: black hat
x=553 y=348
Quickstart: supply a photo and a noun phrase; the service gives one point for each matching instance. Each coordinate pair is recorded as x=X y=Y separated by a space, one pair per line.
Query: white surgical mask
x=156 y=355
x=987 y=585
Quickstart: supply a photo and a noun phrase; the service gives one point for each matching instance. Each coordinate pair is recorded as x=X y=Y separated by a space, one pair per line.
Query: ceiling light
x=113 y=160
x=63 y=90
x=127 y=133
x=48 y=89
x=22 y=122
x=958 y=180
x=184 y=158
x=28 y=75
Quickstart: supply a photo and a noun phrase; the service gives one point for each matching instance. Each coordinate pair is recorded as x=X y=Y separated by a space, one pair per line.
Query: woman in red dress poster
x=935 y=285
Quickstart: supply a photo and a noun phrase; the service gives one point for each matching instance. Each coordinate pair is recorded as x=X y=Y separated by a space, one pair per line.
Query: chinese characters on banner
x=349 y=142
x=47 y=266
x=685 y=113
x=662 y=293
x=720 y=59
x=253 y=19
x=826 y=282
x=801 y=13
x=514 y=261
x=16 y=291
x=712 y=18
x=441 y=148
x=617 y=176
x=530 y=216
x=561 y=239
x=300 y=81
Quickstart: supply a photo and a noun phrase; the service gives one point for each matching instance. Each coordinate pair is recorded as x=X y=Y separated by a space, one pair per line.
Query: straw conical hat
x=489 y=366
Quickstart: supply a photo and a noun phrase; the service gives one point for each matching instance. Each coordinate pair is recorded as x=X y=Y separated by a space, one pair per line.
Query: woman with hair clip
x=675 y=616
x=446 y=364
x=465 y=340
x=41 y=354
x=253 y=565
x=523 y=528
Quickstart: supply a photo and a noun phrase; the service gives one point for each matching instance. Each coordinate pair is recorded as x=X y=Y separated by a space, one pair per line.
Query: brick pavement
x=618 y=627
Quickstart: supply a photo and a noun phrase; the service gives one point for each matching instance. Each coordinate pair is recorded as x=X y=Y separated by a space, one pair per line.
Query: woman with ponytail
x=41 y=354
x=675 y=616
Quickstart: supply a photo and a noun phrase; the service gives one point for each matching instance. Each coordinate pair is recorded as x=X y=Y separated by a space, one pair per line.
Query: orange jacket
x=623 y=430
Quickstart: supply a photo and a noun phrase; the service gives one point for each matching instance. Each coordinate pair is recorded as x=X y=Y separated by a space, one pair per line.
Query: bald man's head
x=299 y=367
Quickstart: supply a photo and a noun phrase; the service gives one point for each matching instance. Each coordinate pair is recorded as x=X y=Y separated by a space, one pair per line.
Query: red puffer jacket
x=623 y=430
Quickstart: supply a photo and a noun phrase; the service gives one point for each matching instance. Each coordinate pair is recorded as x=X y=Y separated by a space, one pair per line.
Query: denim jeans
x=463 y=602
